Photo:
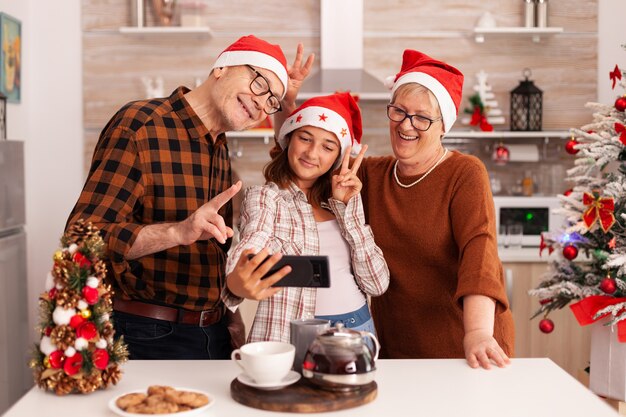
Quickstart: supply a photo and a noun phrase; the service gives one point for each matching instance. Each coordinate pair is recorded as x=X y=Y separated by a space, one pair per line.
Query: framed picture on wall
x=10 y=57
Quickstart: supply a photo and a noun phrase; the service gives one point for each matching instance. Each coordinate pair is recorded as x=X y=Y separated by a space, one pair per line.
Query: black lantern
x=526 y=105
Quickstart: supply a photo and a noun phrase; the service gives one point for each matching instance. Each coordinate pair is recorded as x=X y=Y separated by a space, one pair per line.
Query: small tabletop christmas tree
x=595 y=222
x=483 y=106
x=77 y=352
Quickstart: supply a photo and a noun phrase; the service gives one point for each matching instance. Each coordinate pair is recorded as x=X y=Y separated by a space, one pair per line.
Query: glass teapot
x=341 y=359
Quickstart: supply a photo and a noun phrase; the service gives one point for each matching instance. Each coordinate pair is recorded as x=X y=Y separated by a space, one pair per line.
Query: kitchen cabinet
x=568 y=345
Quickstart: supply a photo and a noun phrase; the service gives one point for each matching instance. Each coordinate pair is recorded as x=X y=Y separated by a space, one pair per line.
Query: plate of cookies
x=162 y=400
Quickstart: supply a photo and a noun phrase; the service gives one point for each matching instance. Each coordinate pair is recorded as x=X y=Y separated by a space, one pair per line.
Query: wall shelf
x=507 y=134
x=481 y=33
x=267 y=134
x=166 y=30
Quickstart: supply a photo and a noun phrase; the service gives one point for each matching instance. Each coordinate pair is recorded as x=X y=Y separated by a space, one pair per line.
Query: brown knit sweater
x=439 y=241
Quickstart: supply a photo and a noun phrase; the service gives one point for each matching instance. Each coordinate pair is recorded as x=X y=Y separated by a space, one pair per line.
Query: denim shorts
x=360 y=319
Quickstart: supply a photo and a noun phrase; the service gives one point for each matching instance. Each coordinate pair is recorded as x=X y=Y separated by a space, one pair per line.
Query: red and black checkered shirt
x=155 y=162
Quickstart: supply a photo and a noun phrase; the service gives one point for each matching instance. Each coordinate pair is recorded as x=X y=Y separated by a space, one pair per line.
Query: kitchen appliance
x=341 y=55
x=534 y=213
x=340 y=359
x=15 y=377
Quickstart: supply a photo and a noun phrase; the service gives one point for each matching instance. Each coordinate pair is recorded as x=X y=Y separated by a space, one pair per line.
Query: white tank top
x=343 y=296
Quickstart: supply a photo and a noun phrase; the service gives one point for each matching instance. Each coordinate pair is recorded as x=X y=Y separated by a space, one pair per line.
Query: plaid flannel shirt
x=283 y=221
x=155 y=162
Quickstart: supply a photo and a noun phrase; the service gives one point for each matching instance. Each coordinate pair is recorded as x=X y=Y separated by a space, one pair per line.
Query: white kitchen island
x=526 y=388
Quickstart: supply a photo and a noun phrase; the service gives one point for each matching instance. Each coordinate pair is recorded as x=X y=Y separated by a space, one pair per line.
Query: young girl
x=303 y=209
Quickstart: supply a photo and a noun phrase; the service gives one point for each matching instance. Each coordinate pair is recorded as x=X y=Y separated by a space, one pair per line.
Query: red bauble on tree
x=546 y=325
x=620 y=104
x=568 y=192
x=569 y=147
x=56 y=359
x=608 y=285
x=570 y=252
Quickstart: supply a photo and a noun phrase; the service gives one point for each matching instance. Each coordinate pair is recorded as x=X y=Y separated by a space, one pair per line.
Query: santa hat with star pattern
x=250 y=50
x=337 y=113
x=443 y=80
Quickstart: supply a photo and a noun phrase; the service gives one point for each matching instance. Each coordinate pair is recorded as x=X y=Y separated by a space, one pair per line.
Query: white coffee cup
x=265 y=362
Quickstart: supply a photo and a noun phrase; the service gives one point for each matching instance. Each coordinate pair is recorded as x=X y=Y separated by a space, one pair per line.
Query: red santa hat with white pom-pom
x=250 y=50
x=337 y=113
x=443 y=80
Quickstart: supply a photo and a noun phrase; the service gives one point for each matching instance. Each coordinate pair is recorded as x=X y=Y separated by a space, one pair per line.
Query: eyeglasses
x=421 y=123
x=260 y=86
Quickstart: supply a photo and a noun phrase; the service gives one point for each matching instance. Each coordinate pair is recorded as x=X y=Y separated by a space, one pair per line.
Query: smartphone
x=306 y=271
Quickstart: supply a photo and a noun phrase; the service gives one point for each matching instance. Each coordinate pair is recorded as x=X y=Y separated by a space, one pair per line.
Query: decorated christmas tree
x=77 y=351
x=483 y=106
x=594 y=210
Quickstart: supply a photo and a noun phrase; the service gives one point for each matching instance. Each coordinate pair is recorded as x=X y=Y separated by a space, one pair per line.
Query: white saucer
x=291 y=378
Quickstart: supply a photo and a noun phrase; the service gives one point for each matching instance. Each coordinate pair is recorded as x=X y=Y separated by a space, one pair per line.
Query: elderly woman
x=431 y=211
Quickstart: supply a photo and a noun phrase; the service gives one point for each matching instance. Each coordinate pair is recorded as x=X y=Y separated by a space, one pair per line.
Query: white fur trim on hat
x=310 y=116
x=256 y=59
x=446 y=105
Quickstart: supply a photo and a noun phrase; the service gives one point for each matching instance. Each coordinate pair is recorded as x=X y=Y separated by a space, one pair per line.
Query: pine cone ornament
x=79 y=232
x=89 y=383
x=67 y=298
x=100 y=270
x=111 y=375
x=61 y=273
x=60 y=383
x=107 y=331
x=63 y=337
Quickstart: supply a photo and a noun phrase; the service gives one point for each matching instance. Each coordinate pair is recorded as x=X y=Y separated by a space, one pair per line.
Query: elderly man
x=159 y=189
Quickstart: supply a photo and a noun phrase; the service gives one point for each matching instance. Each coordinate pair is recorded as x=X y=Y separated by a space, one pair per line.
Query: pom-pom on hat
x=250 y=50
x=337 y=113
x=443 y=80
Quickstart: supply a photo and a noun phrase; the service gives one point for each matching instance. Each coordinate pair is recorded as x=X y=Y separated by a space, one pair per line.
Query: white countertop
x=525 y=254
x=526 y=388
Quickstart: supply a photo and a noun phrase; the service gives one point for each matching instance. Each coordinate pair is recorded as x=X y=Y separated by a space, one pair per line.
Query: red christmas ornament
x=620 y=104
x=608 y=285
x=56 y=359
x=545 y=301
x=501 y=154
x=100 y=358
x=90 y=295
x=546 y=326
x=73 y=364
x=569 y=147
x=570 y=252
x=81 y=260
x=48 y=331
x=87 y=331
x=52 y=293
x=76 y=321
x=568 y=192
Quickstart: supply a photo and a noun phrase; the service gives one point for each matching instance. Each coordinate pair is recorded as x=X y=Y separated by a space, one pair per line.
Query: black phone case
x=306 y=271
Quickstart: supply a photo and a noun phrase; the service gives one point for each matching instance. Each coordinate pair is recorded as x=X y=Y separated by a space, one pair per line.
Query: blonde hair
x=410 y=89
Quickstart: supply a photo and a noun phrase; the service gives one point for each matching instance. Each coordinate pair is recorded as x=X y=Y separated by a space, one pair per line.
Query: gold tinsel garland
x=78 y=351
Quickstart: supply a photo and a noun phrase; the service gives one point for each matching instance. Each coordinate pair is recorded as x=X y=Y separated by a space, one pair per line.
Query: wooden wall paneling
x=455 y=15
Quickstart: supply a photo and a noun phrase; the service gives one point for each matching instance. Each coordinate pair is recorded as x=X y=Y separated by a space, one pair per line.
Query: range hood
x=341 y=54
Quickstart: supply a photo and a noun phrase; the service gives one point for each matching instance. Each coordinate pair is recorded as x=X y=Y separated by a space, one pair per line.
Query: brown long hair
x=279 y=172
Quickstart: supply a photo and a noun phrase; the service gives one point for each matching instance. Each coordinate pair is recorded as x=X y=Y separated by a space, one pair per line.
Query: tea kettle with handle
x=341 y=359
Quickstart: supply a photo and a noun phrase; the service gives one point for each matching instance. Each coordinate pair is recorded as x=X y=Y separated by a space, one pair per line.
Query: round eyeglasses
x=260 y=86
x=420 y=123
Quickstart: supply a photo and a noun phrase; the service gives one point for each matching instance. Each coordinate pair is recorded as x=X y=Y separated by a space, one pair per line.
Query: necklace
x=395 y=171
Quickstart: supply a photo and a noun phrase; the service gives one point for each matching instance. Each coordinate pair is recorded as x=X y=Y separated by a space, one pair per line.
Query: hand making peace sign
x=346 y=184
